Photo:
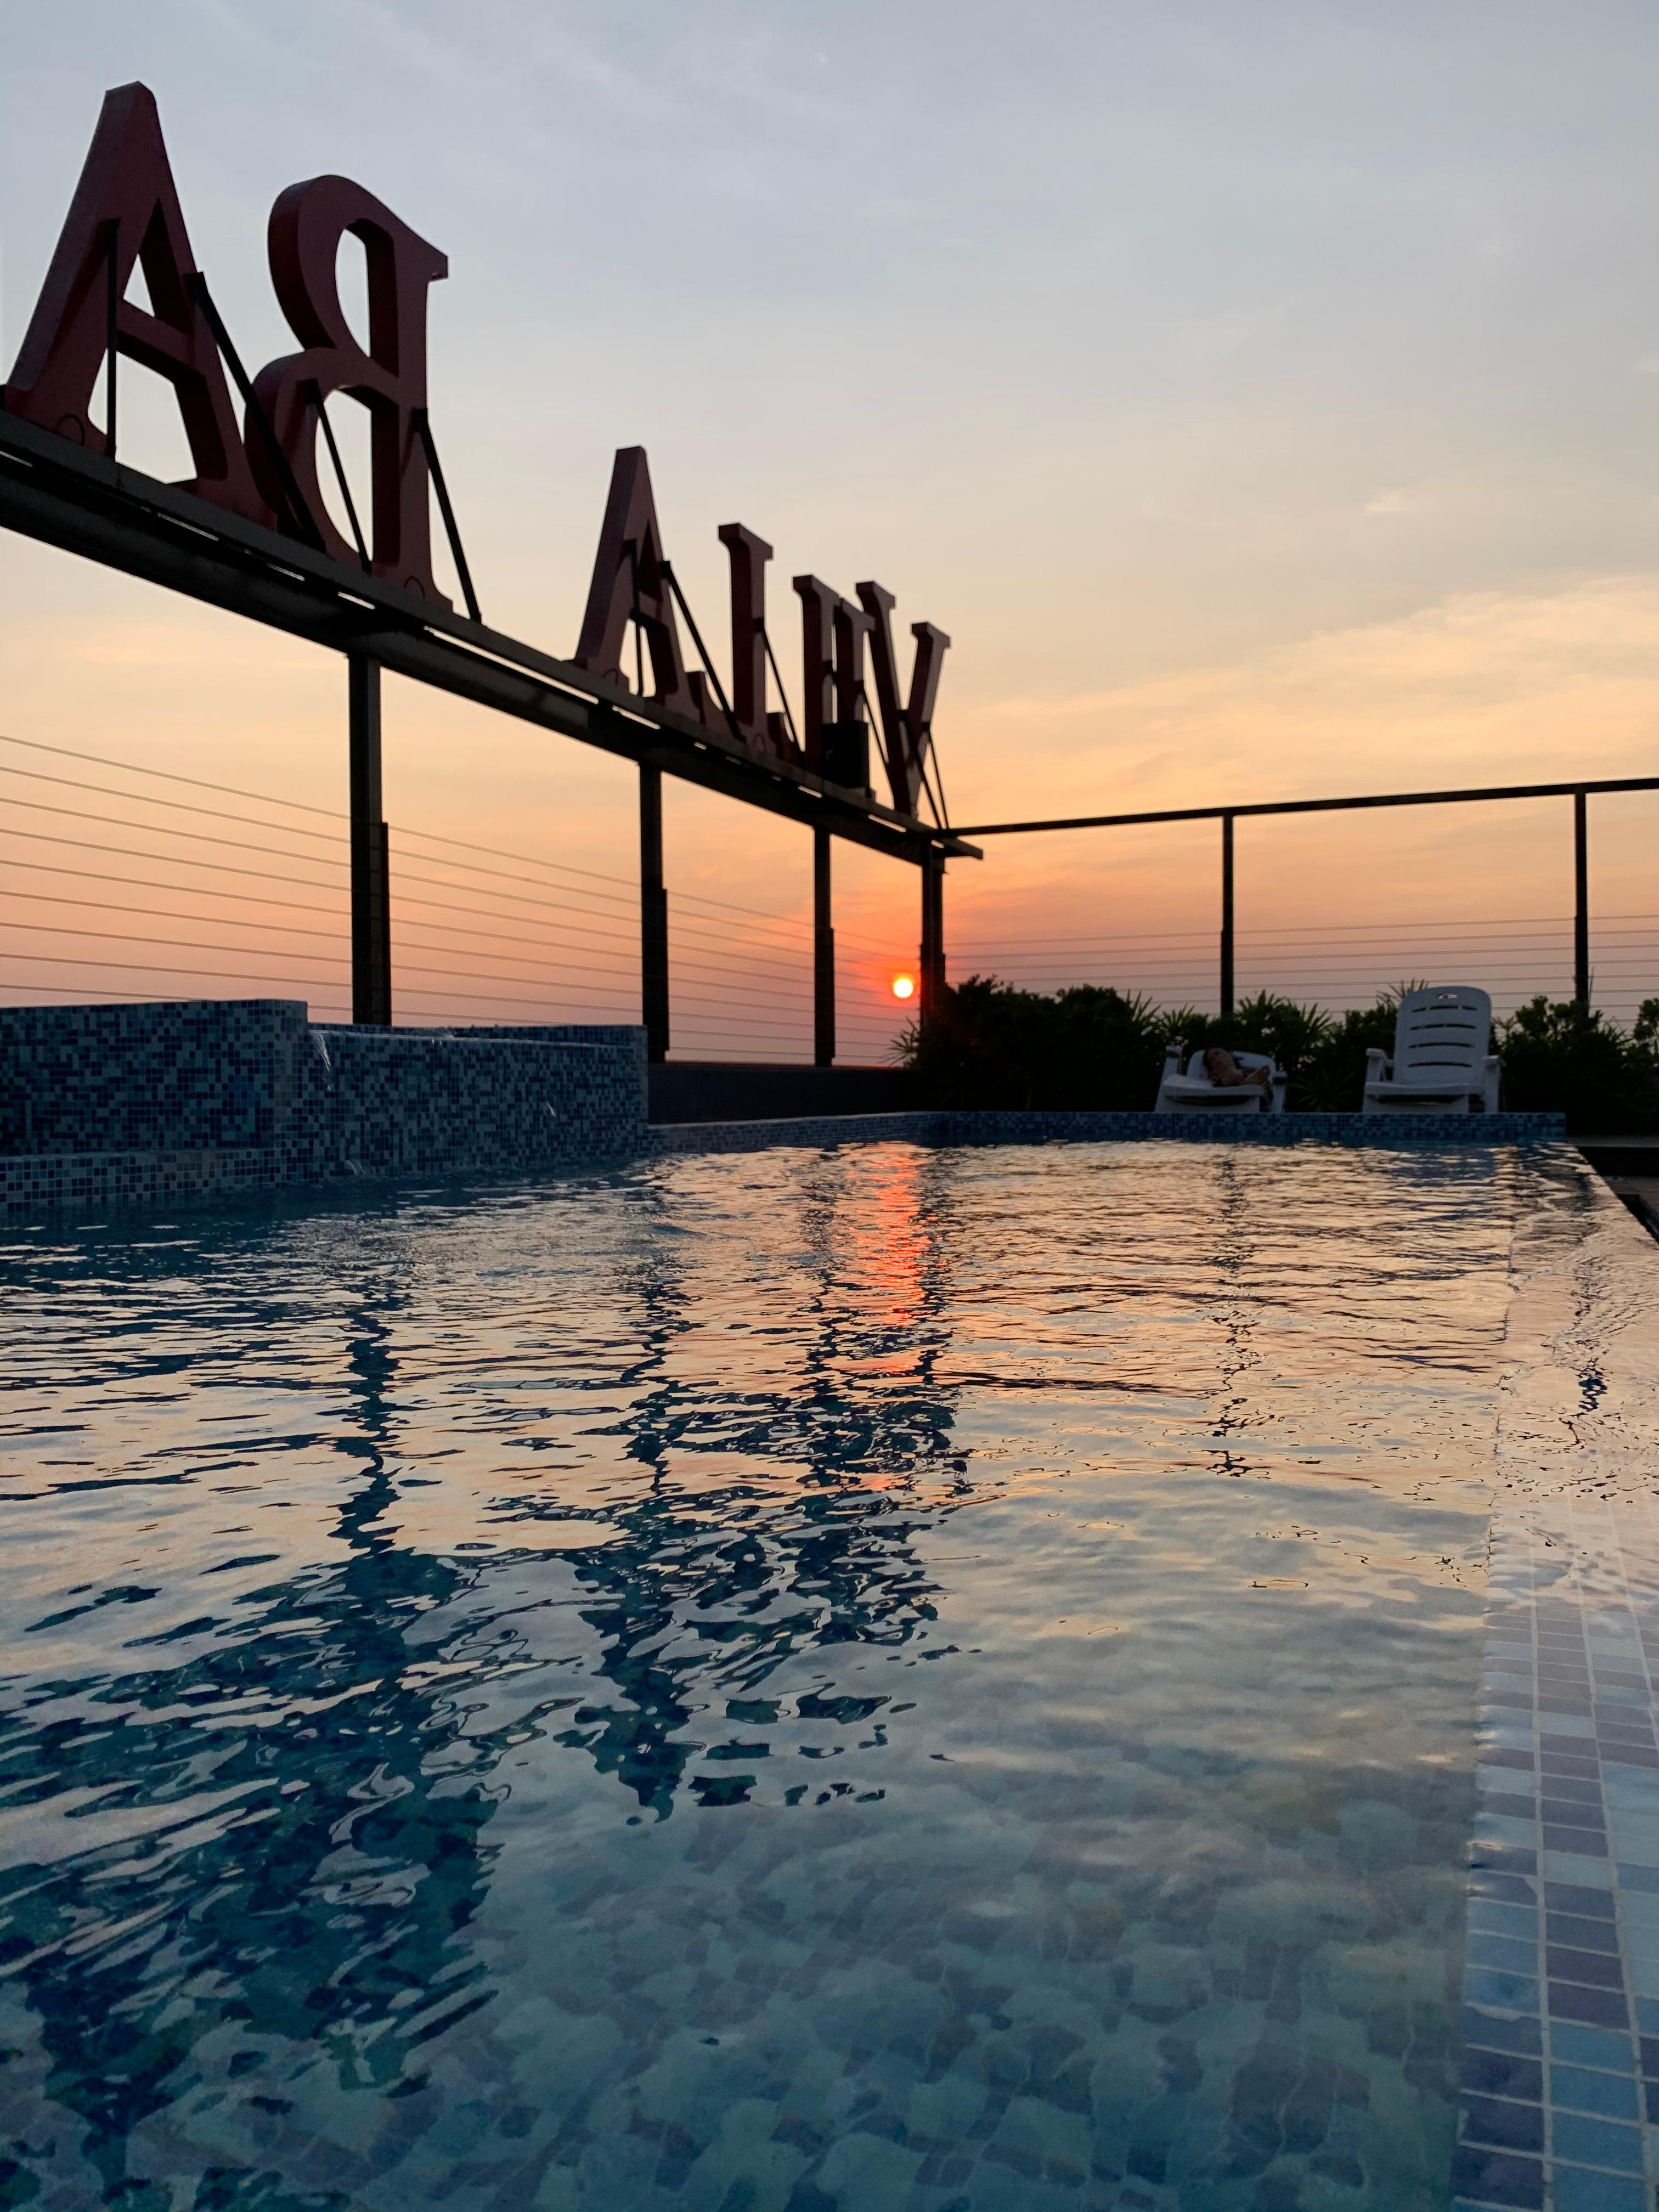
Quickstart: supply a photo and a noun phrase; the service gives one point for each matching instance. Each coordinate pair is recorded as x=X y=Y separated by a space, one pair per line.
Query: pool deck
x=1560 y=2084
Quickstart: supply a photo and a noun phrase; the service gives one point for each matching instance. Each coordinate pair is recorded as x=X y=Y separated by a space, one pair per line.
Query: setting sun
x=905 y=986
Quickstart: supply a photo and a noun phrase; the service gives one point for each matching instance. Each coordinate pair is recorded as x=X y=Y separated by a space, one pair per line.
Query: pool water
x=790 y=1682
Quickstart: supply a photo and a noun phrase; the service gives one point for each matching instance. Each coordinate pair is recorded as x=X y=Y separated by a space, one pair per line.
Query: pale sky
x=1264 y=396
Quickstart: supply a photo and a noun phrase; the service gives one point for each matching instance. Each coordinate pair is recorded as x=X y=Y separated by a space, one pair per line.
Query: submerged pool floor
x=793 y=1682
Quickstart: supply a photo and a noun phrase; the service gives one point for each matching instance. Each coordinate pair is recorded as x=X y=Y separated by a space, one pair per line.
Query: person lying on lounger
x=1224 y=1072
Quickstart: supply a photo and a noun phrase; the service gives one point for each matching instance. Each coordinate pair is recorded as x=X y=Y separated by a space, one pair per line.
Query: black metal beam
x=62 y=495
x=1313 y=806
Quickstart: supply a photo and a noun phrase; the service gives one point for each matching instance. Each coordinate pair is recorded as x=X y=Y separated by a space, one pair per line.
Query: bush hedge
x=990 y=1045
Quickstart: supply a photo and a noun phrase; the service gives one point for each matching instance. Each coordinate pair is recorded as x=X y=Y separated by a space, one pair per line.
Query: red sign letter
x=906 y=732
x=629 y=584
x=748 y=555
x=833 y=631
x=126 y=200
x=307 y=225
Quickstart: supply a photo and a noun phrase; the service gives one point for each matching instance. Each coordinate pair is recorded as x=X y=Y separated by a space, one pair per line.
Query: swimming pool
x=806 y=1680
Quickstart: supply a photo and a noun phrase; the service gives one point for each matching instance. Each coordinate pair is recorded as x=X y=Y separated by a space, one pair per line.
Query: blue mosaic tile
x=1575 y=1579
x=1504 y=2124
x=1492 y=2177
x=1586 y=2141
x=1577 y=2190
x=1600 y=1968
x=1578 y=1898
x=1503 y=1992
x=1505 y=1888
x=1518 y=1922
x=1592 y=2046
x=1633 y=1787
x=1575 y=1931
x=1503 y=1951
x=106 y=1107
x=1579 y=1867
x=1573 y=2001
x=1500 y=2074
x=1610 y=2096
x=1500 y=1826
x=1488 y=2031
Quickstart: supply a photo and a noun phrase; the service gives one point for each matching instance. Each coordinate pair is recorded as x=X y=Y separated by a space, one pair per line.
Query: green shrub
x=1092 y=1047
x=1569 y=1059
x=990 y=1045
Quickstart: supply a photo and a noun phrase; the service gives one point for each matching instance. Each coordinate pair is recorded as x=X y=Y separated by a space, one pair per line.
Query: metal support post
x=823 y=955
x=931 y=979
x=924 y=964
x=371 y=901
x=653 y=917
x=1581 y=964
x=1226 y=914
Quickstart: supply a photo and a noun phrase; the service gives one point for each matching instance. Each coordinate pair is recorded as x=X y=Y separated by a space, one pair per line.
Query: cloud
x=1481 y=687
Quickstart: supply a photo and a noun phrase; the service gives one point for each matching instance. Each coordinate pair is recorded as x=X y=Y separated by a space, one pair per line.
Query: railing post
x=932 y=978
x=371 y=889
x=1226 y=914
x=653 y=917
x=1581 y=967
x=823 y=955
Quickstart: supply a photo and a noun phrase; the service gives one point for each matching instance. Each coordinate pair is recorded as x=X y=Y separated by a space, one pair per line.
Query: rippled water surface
x=780 y=1683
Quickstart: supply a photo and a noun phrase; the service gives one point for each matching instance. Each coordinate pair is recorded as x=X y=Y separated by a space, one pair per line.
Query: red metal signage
x=265 y=468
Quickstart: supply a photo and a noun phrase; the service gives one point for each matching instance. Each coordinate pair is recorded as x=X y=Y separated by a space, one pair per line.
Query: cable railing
x=123 y=882
x=1513 y=957
x=146 y=885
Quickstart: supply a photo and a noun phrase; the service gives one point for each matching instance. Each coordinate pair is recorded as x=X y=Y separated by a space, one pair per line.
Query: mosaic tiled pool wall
x=133 y=1105
x=1560 y=2076
x=1561 y=1986
x=397 y=1102
x=197 y=1076
x=118 y=1106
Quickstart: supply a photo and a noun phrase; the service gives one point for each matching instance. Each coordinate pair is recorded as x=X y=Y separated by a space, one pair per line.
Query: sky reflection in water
x=880 y=1680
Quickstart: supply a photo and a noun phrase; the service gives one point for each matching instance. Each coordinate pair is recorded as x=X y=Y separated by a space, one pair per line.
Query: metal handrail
x=1578 y=791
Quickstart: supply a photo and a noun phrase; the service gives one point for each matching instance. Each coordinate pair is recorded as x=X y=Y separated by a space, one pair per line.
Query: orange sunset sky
x=1265 y=397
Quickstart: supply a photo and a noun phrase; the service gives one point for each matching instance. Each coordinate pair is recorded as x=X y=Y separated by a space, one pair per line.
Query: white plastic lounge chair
x=1441 y=1063
x=1194 y=1093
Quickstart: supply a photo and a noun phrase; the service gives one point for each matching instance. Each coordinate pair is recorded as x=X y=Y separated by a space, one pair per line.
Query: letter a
x=628 y=586
x=126 y=203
